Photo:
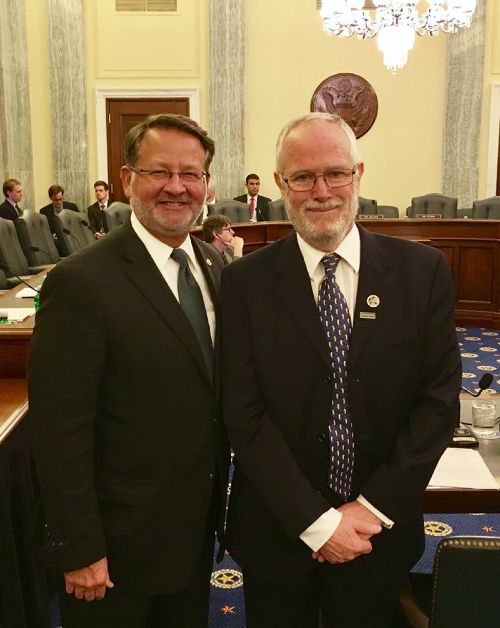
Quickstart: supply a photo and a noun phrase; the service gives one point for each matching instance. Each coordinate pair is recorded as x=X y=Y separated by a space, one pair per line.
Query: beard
x=324 y=235
x=161 y=221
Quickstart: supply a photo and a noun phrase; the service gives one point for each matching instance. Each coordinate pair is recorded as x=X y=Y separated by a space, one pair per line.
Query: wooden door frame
x=494 y=139
x=101 y=123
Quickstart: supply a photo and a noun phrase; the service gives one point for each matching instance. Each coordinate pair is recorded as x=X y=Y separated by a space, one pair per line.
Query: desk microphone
x=6 y=269
x=86 y=224
x=68 y=232
x=484 y=382
x=36 y=249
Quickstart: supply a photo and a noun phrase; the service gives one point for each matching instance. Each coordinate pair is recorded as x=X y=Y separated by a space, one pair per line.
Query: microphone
x=484 y=382
x=68 y=232
x=36 y=249
x=86 y=224
x=7 y=270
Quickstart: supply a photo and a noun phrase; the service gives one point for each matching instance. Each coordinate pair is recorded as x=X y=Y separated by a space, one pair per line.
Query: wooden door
x=122 y=114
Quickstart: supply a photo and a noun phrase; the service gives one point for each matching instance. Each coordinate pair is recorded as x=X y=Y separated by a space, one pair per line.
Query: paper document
x=462 y=468
x=26 y=293
x=17 y=314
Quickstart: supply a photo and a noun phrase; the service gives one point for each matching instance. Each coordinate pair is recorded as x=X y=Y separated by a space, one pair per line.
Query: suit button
x=211 y=476
x=328 y=379
x=321 y=437
x=320 y=491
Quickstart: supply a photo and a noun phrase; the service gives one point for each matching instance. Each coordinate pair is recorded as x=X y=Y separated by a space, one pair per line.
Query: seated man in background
x=97 y=211
x=50 y=211
x=258 y=206
x=13 y=192
x=218 y=232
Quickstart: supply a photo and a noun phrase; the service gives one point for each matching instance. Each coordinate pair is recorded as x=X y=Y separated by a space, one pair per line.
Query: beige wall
x=287 y=56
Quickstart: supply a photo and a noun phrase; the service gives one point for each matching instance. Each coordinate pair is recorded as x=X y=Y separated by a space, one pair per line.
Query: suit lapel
x=374 y=281
x=143 y=273
x=294 y=289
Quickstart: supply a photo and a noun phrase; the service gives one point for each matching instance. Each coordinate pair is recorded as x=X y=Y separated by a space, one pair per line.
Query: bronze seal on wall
x=351 y=97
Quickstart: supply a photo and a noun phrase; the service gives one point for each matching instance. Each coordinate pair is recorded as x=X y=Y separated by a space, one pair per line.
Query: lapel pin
x=373 y=300
x=368 y=315
x=209 y=261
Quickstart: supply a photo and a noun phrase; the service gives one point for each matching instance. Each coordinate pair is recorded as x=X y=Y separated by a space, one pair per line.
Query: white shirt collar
x=159 y=251
x=349 y=250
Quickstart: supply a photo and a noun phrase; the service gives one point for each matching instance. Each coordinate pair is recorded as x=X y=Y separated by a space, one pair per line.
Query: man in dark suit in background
x=56 y=195
x=258 y=206
x=97 y=211
x=336 y=432
x=123 y=392
x=13 y=192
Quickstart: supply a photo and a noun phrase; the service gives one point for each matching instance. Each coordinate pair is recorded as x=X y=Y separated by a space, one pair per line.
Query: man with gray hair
x=124 y=399
x=341 y=378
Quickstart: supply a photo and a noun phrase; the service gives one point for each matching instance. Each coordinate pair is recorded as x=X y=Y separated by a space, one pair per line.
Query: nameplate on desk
x=370 y=216
x=430 y=216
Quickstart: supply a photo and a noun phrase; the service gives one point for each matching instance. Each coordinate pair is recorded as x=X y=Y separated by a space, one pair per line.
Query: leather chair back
x=388 y=211
x=3 y=281
x=33 y=231
x=487 y=209
x=234 y=210
x=11 y=252
x=77 y=236
x=367 y=206
x=117 y=214
x=446 y=206
x=277 y=210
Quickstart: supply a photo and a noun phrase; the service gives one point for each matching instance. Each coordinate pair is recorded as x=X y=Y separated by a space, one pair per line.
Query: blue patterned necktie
x=336 y=323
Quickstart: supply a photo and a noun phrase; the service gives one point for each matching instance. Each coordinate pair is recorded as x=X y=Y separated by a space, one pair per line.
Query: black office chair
x=277 y=210
x=12 y=256
x=234 y=210
x=3 y=281
x=367 y=206
x=465 y=586
x=117 y=214
x=388 y=211
x=71 y=230
x=487 y=209
x=446 y=206
x=36 y=238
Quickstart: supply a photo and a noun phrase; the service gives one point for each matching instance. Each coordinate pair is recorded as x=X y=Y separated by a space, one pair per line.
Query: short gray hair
x=311 y=117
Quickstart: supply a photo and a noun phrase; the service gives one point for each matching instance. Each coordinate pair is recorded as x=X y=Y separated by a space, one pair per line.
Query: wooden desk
x=15 y=338
x=472 y=248
x=13 y=405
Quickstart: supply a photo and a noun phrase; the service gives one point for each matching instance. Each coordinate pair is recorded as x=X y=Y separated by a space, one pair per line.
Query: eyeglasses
x=165 y=175
x=227 y=229
x=305 y=181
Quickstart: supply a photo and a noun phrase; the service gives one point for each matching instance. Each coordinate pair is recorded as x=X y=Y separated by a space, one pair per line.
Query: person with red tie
x=258 y=206
x=13 y=192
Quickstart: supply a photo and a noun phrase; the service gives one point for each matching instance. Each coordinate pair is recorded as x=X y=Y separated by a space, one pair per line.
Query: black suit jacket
x=95 y=218
x=7 y=211
x=130 y=452
x=48 y=211
x=403 y=382
x=262 y=208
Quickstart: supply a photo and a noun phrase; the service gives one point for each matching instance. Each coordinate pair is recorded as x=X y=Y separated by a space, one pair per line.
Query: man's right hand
x=89 y=583
x=349 y=541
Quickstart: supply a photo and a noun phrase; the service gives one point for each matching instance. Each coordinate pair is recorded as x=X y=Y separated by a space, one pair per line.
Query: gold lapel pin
x=209 y=261
x=373 y=300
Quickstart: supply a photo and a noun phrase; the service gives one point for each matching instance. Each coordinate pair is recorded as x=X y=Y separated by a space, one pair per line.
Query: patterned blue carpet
x=480 y=350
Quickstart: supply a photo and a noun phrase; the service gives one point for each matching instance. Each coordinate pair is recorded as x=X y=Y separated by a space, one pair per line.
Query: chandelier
x=395 y=22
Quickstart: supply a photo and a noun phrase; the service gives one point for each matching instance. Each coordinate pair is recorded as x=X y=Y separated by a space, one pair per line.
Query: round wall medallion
x=351 y=97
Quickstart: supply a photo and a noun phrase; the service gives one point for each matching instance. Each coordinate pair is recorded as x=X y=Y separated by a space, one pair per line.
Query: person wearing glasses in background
x=218 y=232
x=341 y=376
x=131 y=455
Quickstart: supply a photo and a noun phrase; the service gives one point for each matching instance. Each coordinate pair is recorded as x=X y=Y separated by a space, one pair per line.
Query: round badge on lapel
x=373 y=300
x=209 y=261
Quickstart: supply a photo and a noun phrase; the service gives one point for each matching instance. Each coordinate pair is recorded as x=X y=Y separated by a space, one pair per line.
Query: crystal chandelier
x=395 y=22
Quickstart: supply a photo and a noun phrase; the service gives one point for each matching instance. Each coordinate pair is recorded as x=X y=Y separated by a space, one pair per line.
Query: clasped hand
x=351 y=538
x=89 y=583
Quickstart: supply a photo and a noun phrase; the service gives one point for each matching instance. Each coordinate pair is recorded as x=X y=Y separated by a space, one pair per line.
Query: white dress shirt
x=347 y=278
x=169 y=268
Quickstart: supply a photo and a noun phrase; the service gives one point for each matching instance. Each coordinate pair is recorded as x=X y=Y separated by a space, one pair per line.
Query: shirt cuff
x=318 y=533
x=385 y=521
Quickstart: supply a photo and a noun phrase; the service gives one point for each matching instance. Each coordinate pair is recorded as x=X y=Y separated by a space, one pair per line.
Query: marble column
x=227 y=95
x=16 y=154
x=68 y=98
x=464 y=88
